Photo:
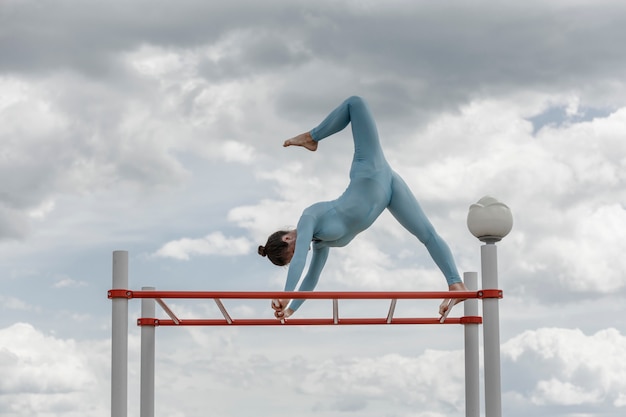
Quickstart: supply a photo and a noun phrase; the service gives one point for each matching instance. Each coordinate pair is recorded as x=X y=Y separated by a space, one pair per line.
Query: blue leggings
x=387 y=190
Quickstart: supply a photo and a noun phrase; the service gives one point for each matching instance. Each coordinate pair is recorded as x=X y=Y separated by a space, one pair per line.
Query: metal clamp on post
x=120 y=293
x=471 y=320
x=490 y=294
x=145 y=321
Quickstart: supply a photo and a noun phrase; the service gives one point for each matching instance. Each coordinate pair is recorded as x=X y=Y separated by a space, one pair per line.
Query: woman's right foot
x=305 y=140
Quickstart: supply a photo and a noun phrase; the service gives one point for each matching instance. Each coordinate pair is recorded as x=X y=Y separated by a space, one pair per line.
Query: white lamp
x=489 y=220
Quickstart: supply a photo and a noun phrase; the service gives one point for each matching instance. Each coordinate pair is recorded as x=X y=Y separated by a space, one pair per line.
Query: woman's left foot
x=305 y=140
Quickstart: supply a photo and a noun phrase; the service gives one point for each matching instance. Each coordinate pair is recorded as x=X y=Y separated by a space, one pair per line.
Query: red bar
x=309 y=295
x=304 y=322
x=324 y=295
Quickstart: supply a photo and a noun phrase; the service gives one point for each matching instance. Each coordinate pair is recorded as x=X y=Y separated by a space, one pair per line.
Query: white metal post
x=119 y=338
x=491 y=332
x=472 y=366
x=148 y=310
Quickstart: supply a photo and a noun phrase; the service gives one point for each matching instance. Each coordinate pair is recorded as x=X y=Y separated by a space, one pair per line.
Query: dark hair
x=275 y=248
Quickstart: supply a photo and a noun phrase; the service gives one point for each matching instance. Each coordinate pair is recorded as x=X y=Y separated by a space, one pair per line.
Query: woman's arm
x=305 y=229
x=304 y=236
x=285 y=308
x=318 y=260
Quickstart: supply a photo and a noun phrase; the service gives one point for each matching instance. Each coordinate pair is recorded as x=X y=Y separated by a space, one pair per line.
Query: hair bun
x=262 y=251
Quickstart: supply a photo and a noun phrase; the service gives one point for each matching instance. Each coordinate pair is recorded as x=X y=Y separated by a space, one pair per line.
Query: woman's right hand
x=446 y=304
x=283 y=314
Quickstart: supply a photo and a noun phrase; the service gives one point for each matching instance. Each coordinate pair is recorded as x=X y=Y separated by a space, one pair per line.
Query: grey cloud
x=433 y=59
x=253 y=53
x=346 y=404
x=428 y=56
x=435 y=49
x=474 y=48
x=87 y=35
x=13 y=224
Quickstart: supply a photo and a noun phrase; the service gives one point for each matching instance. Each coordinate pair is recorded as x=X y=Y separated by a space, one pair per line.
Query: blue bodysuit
x=373 y=187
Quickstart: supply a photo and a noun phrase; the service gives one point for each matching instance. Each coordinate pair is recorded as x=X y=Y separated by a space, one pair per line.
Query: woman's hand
x=283 y=314
x=446 y=304
x=280 y=308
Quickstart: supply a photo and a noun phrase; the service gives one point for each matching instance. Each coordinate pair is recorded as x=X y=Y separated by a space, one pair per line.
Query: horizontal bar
x=309 y=295
x=308 y=322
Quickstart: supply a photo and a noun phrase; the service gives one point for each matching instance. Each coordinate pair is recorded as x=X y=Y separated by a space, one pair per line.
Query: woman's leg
x=407 y=211
x=355 y=111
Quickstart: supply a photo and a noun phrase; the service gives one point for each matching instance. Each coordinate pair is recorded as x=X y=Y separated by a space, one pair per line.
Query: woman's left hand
x=280 y=308
x=279 y=304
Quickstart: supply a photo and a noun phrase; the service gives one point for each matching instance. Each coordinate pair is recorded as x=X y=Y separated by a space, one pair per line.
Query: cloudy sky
x=156 y=127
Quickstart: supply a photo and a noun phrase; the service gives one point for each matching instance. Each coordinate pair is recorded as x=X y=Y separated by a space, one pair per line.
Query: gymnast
x=373 y=187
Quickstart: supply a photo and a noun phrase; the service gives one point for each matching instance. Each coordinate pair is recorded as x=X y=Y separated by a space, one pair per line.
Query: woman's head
x=279 y=247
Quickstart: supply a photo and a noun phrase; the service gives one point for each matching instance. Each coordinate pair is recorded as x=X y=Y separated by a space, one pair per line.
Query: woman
x=373 y=187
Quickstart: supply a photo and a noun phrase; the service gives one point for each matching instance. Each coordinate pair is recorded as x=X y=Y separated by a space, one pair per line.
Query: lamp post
x=490 y=220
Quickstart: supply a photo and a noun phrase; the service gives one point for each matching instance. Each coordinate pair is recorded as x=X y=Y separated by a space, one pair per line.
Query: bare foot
x=305 y=140
x=443 y=307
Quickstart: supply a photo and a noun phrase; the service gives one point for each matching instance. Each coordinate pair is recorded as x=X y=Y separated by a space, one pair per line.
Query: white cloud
x=364 y=266
x=26 y=368
x=212 y=244
x=237 y=152
x=552 y=366
x=69 y=282
x=12 y=303
x=295 y=189
x=432 y=380
x=44 y=376
x=590 y=259
x=564 y=186
x=40 y=212
x=554 y=391
x=282 y=372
